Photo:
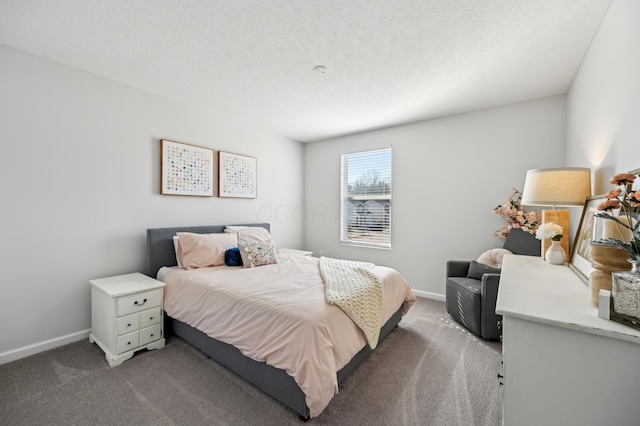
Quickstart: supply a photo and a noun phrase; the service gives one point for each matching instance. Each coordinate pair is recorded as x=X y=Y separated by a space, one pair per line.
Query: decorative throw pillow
x=200 y=250
x=232 y=257
x=477 y=270
x=493 y=257
x=257 y=253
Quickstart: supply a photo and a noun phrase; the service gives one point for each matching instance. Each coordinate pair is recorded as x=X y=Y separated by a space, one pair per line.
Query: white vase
x=555 y=254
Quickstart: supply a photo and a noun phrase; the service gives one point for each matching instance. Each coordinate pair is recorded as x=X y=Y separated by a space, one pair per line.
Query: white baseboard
x=429 y=295
x=26 y=351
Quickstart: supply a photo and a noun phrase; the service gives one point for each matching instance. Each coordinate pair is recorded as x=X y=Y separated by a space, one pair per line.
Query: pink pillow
x=493 y=257
x=200 y=250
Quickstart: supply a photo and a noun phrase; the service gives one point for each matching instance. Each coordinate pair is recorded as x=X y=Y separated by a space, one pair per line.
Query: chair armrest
x=457 y=268
x=490 y=284
x=489 y=297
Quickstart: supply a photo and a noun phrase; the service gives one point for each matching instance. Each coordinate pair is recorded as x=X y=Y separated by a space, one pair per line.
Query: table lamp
x=557 y=187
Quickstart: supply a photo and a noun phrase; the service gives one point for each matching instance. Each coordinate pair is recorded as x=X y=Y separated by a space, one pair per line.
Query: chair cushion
x=463 y=299
x=477 y=270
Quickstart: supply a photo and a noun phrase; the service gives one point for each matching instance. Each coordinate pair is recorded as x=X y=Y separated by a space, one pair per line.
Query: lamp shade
x=559 y=187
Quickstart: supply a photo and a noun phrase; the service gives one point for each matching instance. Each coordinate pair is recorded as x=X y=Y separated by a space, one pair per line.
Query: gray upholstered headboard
x=160 y=251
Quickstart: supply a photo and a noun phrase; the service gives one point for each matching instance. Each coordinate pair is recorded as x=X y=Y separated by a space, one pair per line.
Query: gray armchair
x=472 y=288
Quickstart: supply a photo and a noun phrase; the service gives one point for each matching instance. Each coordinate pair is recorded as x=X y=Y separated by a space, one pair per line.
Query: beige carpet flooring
x=429 y=371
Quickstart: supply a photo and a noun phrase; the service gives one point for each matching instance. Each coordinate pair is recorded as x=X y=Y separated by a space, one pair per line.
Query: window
x=365 y=206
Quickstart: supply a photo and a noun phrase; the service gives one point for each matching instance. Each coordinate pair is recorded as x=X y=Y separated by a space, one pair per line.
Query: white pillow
x=176 y=241
x=493 y=257
x=250 y=234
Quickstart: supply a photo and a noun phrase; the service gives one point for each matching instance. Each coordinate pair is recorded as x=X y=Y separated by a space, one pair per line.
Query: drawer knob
x=140 y=304
x=150 y=318
x=152 y=335
x=129 y=325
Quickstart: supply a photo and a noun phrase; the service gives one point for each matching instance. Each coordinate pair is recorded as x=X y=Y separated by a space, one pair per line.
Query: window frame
x=346 y=198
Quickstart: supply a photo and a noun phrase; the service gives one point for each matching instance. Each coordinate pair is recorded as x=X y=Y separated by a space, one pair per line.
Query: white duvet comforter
x=278 y=314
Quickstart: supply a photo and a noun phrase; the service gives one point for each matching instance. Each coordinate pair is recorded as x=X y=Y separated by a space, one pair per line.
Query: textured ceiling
x=387 y=62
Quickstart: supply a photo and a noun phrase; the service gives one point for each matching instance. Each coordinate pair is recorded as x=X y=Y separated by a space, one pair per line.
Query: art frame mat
x=185 y=169
x=237 y=175
x=580 y=260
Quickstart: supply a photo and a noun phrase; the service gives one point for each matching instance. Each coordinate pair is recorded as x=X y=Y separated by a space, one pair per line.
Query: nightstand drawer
x=150 y=334
x=150 y=317
x=128 y=324
x=128 y=342
x=139 y=301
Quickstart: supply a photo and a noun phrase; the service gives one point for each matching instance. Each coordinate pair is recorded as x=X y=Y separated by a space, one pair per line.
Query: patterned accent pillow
x=258 y=253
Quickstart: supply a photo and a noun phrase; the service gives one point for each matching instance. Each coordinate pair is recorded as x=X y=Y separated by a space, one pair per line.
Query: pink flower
x=516 y=218
x=613 y=193
x=622 y=179
x=609 y=205
x=627 y=203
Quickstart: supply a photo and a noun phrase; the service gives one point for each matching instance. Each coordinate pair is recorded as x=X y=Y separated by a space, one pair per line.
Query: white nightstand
x=126 y=315
x=295 y=251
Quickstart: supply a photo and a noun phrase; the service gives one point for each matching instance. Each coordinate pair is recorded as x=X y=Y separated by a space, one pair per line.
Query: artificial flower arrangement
x=626 y=203
x=555 y=254
x=549 y=230
x=511 y=211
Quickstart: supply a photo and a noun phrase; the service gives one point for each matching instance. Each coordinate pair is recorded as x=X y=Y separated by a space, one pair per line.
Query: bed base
x=273 y=381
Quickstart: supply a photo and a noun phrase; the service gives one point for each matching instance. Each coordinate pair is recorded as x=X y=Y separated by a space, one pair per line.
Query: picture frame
x=635 y=186
x=580 y=260
x=185 y=169
x=237 y=175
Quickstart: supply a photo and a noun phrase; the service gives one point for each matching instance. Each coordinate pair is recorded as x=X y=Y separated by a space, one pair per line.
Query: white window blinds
x=365 y=194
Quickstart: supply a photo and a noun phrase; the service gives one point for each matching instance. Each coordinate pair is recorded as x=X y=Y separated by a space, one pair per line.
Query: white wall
x=603 y=104
x=448 y=175
x=80 y=177
x=80 y=185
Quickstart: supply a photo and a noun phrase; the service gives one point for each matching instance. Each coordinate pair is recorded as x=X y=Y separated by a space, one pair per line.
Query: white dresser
x=562 y=364
x=126 y=315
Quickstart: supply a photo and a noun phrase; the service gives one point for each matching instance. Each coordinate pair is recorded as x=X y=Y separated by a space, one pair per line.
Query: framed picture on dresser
x=580 y=260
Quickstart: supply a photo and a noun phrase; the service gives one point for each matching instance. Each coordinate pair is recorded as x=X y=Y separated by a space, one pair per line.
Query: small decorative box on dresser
x=126 y=315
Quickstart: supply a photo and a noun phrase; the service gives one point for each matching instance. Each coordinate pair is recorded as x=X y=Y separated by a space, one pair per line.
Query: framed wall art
x=580 y=260
x=237 y=176
x=185 y=169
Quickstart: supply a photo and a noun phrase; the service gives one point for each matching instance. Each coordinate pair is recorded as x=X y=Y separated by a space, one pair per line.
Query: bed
x=274 y=381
